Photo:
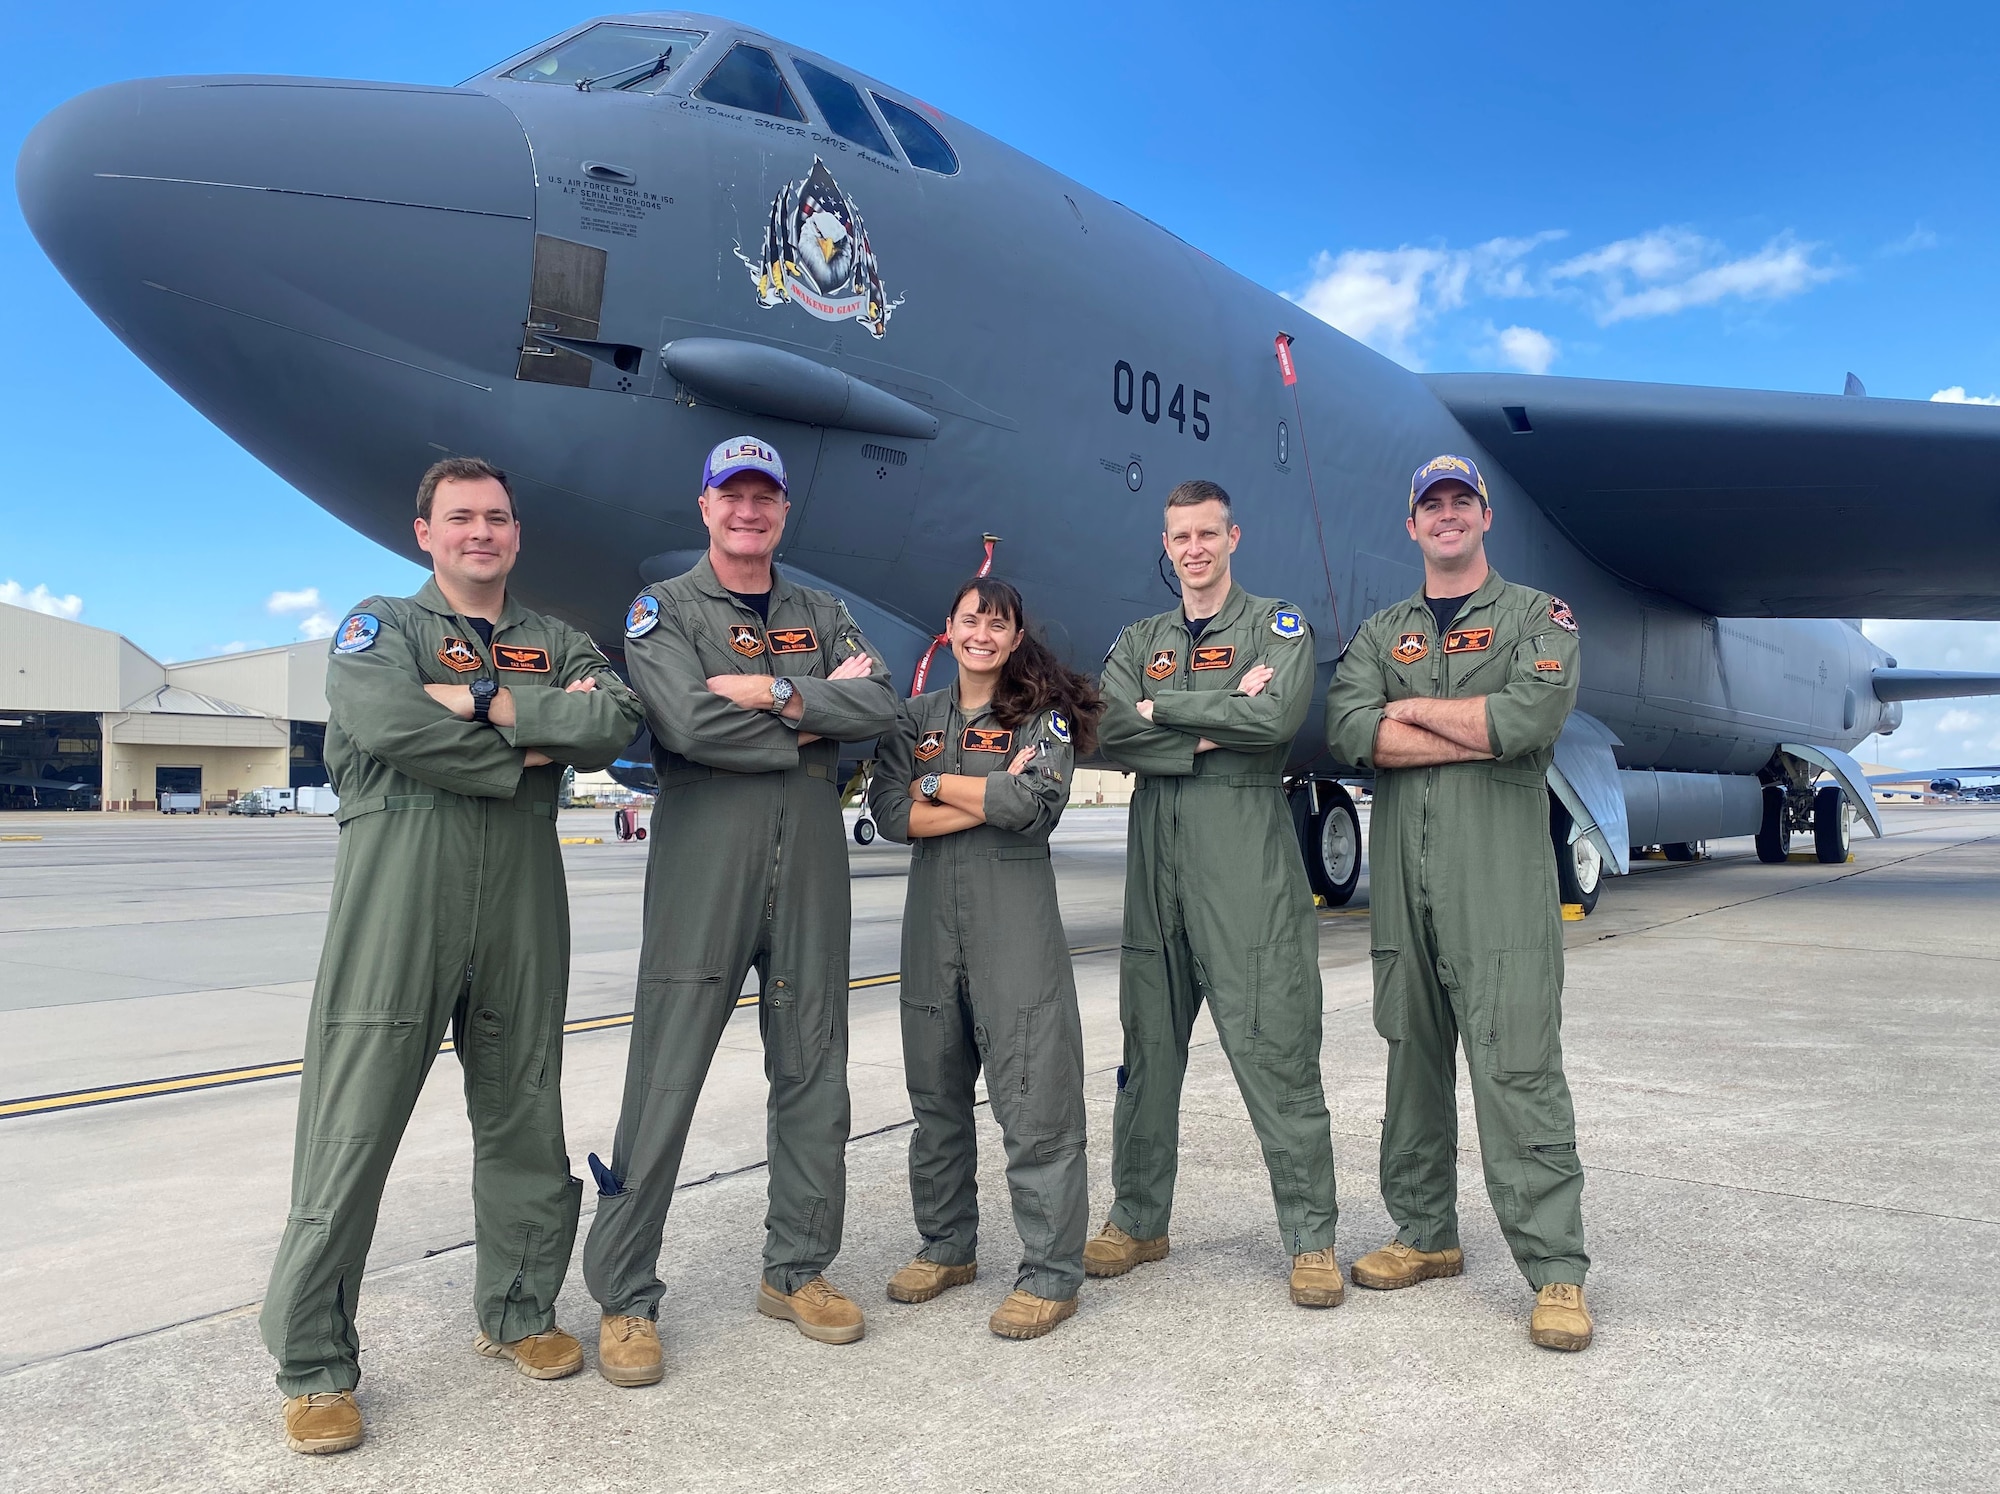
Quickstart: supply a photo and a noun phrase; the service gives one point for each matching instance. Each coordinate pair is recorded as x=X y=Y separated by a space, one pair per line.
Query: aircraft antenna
x=1289 y=371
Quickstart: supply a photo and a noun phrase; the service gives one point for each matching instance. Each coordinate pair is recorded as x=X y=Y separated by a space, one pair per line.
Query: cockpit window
x=921 y=142
x=636 y=59
x=748 y=78
x=845 y=114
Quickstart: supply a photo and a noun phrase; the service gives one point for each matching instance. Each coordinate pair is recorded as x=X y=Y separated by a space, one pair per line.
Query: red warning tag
x=1286 y=371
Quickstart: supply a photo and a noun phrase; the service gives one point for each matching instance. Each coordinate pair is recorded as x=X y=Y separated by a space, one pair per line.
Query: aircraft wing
x=1748 y=503
x=1925 y=775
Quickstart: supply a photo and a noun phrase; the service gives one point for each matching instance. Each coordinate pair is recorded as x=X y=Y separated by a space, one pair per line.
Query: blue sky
x=1764 y=195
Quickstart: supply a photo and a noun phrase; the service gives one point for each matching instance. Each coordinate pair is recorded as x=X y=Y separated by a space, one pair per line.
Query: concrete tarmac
x=1785 y=1081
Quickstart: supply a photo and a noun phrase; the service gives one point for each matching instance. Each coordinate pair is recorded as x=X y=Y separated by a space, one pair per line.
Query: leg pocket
x=1517 y=1015
x=1142 y=993
x=923 y=1045
x=1049 y=1046
x=1392 y=1018
x=1284 y=1006
x=799 y=1018
x=671 y=1010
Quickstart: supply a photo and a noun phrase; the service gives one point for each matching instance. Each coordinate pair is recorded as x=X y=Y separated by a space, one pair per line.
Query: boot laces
x=626 y=1329
x=326 y=1398
x=1317 y=1257
x=819 y=1291
x=1563 y=1294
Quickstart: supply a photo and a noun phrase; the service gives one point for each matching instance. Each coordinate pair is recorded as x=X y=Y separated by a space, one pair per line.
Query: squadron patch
x=525 y=660
x=1288 y=624
x=1410 y=647
x=1213 y=656
x=929 y=745
x=985 y=739
x=456 y=653
x=1548 y=666
x=643 y=616
x=1162 y=665
x=1560 y=615
x=1059 y=726
x=746 y=640
x=357 y=634
x=1468 y=640
x=793 y=641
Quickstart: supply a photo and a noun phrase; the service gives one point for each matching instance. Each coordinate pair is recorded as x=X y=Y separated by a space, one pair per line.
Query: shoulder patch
x=1560 y=615
x=1059 y=726
x=1288 y=624
x=643 y=616
x=357 y=634
x=1114 y=645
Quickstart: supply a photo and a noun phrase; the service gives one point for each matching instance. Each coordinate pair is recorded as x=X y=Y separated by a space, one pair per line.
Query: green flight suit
x=1464 y=919
x=747 y=867
x=449 y=910
x=987 y=985
x=1217 y=906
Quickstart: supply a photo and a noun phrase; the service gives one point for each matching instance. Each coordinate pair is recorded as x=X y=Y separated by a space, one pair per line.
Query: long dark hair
x=1033 y=679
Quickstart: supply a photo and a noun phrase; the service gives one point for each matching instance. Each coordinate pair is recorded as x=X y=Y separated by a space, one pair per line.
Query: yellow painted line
x=583 y=840
x=81 y=1099
x=20 y=837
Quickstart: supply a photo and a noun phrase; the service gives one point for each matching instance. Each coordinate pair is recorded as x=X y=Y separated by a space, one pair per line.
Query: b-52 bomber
x=598 y=258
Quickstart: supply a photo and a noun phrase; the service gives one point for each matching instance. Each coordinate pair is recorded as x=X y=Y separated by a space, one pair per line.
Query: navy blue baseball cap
x=1446 y=468
x=743 y=454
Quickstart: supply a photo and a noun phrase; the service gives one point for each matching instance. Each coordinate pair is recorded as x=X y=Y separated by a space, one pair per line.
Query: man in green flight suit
x=1202 y=704
x=751 y=683
x=1455 y=697
x=451 y=715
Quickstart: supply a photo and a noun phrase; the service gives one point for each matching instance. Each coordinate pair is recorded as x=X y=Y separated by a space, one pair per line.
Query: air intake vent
x=1517 y=419
x=887 y=454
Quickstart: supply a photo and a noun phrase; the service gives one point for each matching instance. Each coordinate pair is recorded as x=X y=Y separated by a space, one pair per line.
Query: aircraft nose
x=279 y=248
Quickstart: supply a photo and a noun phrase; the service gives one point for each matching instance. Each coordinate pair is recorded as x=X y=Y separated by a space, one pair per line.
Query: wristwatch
x=483 y=692
x=928 y=786
x=781 y=694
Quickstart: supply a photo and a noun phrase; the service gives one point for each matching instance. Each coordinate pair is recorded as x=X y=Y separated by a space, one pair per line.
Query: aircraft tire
x=1333 y=848
x=1832 y=832
x=1774 y=836
x=864 y=832
x=1579 y=867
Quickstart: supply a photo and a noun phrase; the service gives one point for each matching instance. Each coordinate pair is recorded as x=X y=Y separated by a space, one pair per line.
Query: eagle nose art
x=278 y=249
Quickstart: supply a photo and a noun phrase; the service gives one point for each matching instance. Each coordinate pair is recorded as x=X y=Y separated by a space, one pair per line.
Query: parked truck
x=319 y=800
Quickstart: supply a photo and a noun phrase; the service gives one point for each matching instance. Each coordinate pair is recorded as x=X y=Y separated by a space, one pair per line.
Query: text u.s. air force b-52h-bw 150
x=596 y=259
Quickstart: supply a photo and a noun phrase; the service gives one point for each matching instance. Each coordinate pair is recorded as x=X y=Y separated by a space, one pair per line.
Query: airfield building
x=89 y=720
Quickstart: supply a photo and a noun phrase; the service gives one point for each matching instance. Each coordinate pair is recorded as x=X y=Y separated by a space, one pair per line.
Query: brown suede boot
x=1112 y=1252
x=1560 y=1321
x=327 y=1421
x=922 y=1280
x=540 y=1356
x=1024 y=1315
x=820 y=1310
x=1398 y=1265
x=1316 y=1279
x=628 y=1350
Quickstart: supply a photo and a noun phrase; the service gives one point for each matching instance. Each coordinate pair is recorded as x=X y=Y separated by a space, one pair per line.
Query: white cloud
x=1917 y=238
x=1672 y=269
x=1384 y=297
x=41 y=599
x=1956 y=395
x=1958 y=719
x=293 y=601
x=1526 y=349
x=319 y=625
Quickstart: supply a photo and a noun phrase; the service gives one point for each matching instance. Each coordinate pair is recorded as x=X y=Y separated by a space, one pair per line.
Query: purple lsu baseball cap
x=1446 y=468
x=743 y=454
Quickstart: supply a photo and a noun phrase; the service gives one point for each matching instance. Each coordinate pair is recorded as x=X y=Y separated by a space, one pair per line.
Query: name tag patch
x=526 y=660
x=1410 y=647
x=1468 y=640
x=985 y=739
x=793 y=641
x=929 y=745
x=1162 y=665
x=456 y=653
x=746 y=640
x=1214 y=656
x=1548 y=666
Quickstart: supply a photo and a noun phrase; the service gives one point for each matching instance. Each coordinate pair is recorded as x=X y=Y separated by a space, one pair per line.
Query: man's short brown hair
x=1199 y=490
x=459 y=469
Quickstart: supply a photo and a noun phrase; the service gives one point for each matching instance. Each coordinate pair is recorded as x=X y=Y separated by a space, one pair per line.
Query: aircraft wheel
x=864 y=832
x=1579 y=866
x=1333 y=848
x=1832 y=830
x=1681 y=850
x=1774 y=836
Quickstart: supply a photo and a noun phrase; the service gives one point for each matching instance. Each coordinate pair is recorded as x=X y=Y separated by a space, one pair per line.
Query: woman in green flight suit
x=975 y=778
